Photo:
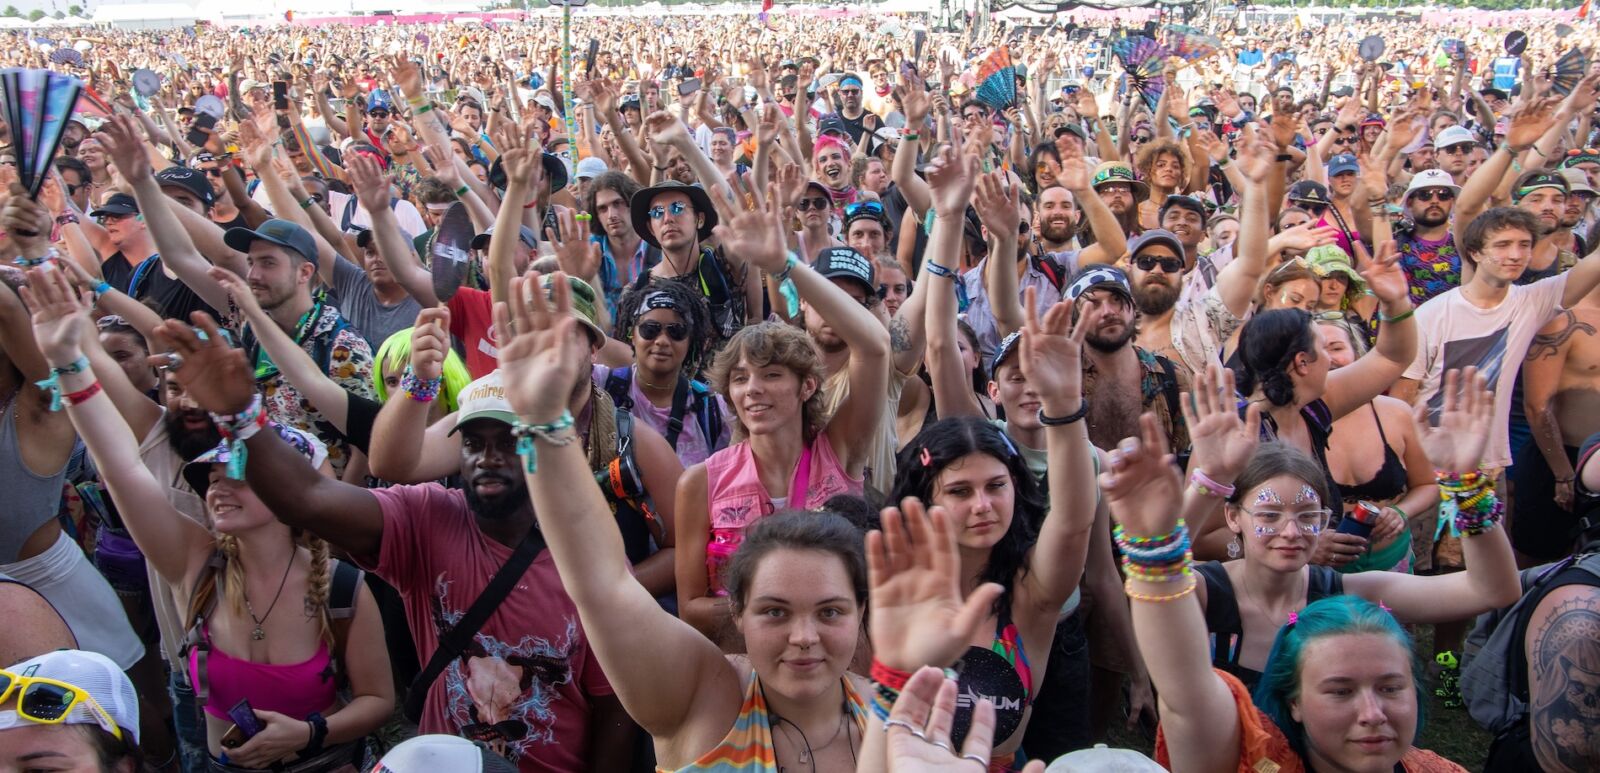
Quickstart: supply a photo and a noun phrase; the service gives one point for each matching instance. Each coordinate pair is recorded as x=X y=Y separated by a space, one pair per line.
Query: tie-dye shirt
x=1432 y=267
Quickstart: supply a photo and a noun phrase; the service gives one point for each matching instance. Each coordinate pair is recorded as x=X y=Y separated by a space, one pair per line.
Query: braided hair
x=688 y=302
x=1268 y=344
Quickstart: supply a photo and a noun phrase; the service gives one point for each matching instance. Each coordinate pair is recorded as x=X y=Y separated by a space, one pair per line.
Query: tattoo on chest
x=1548 y=344
x=1566 y=667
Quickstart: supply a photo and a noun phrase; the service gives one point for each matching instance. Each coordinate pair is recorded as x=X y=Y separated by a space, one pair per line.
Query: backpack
x=1494 y=673
x=1052 y=269
x=694 y=396
x=643 y=532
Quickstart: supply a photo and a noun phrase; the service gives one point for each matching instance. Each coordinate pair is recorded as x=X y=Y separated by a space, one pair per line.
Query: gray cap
x=280 y=232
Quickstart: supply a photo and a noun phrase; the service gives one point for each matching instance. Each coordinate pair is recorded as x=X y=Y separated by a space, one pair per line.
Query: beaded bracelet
x=1203 y=484
x=886 y=683
x=237 y=428
x=1166 y=558
x=52 y=385
x=420 y=390
x=525 y=434
x=1127 y=588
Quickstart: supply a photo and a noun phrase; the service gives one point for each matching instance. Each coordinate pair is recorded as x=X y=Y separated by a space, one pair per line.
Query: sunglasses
x=675 y=208
x=215 y=171
x=807 y=204
x=650 y=330
x=110 y=321
x=1168 y=265
x=378 y=113
x=873 y=207
x=1442 y=194
x=1315 y=209
x=1344 y=141
x=1458 y=149
x=1140 y=139
x=50 y=702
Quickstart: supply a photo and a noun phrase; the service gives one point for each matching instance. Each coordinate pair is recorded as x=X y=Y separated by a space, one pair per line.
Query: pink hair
x=826 y=141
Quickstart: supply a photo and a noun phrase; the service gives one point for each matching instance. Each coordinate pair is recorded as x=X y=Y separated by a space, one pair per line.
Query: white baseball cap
x=590 y=167
x=484 y=399
x=1431 y=178
x=439 y=753
x=99 y=678
x=1454 y=135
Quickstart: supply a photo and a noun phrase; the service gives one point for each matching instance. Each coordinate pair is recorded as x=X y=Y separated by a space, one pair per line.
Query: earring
x=1234 y=548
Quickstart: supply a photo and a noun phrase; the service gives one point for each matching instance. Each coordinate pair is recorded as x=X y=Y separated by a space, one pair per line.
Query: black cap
x=1309 y=191
x=188 y=179
x=283 y=233
x=845 y=263
x=1181 y=201
x=117 y=204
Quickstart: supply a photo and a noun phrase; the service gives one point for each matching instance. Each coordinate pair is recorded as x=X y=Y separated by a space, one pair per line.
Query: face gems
x=1307 y=494
x=1268 y=497
x=1265 y=532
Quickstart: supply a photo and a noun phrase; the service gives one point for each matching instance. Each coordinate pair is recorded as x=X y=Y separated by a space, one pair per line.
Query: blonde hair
x=773 y=343
x=318 y=581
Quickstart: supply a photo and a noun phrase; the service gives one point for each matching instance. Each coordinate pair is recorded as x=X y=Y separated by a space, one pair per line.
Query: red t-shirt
x=525 y=685
x=472 y=322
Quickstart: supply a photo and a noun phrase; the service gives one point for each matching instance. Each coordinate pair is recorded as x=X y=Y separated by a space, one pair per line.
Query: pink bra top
x=295 y=690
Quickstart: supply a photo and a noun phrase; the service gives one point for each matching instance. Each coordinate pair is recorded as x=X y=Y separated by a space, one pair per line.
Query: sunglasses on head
x=50 y=702
x=1437 y=194
x=675 y=208
x=874 y=207
x=817 y=203
x=650 y=330
x=1168 y=264
x=1140 y=139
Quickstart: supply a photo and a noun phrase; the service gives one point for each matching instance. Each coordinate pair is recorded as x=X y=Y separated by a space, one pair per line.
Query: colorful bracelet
x=81 y=396
x=911 y=136
x=462 y=191
x=525 y=434
x=237 y=428
x=886 y=683
x=1205 y=485
x=26 y=262
x=1127 y=588
x=1166 y=558
x=420 y=390
x=52 y=385
x=421 y=109
x=941 y=271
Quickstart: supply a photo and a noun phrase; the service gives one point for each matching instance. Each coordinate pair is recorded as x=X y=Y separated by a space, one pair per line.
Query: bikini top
x=1390 y=480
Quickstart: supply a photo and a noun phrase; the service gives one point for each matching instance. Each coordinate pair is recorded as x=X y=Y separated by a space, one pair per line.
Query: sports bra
x=295 y=690
x=748 y=746
x=1390 y=480
x=1000 y=672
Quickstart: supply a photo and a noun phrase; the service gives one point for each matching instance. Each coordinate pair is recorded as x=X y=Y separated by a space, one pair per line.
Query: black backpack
x=691 y=397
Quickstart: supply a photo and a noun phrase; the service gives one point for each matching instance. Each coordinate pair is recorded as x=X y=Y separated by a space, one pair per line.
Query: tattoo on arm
x=899 y=336
x=1565 y=686
x=1549 y=344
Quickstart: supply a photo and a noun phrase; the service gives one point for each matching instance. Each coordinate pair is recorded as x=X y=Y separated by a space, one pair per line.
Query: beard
x=1427 y=220
x=1152 y=299
x=1106 y=344
x=189 y=444
x=1056 y=231
x=501 y=507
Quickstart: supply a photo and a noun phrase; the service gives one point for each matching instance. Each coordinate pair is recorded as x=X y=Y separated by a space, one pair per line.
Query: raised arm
x=914 y=98
x=1236 y=283
x=1110 y=241
x=1527 y=125
x=952 y=178
x=219 y=379
x=370 y=184
x=405 y=448
x=1355 y=385
x=996 y=199
x=664 y=671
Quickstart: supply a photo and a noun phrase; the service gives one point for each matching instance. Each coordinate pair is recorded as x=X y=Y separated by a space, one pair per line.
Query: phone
x=245 y=719
x=234 y=738
x=588 y=59
x=688 y=86
x=280 y=95
x=908 y=72
x=199 y=130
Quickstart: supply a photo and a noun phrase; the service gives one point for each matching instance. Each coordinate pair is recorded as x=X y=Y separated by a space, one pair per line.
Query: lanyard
x=138 y=274
x=264 y=365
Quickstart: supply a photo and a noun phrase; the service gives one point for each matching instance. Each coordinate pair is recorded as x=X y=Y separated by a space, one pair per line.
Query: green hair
x=1330 y=616
x=396 y=352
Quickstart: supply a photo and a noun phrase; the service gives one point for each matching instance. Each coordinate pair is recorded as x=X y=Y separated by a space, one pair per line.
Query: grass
x=1450 y=733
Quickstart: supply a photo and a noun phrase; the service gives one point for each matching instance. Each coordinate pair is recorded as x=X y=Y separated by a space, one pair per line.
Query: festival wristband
x=526 y=433
x=52 y=385
x=941 y=271
x=1398 y=317
x=81 y=396
x=462 y=191
x=786 y=288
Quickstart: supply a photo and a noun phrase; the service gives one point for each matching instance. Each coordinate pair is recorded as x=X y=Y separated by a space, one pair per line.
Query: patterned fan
x=67 y=56
x=1190 y=44
x=1143 y=58
x=1567 y=71
x=997 y=80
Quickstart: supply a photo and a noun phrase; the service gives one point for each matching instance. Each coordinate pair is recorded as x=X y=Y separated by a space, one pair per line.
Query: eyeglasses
x=1167 y=263
x=818 y=203
x=650 y=330
x=1271 y=522
x=1344 y=140
x=50 y=702
x=1314 y=209
x=675 y=208
x=1435 y=194
x=972 y=116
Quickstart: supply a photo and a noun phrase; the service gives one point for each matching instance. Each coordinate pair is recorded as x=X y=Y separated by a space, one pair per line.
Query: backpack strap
x=618 y=383
x=342 y=590
x=1051 y=269
x=680 y=405
x=194 y=639
x=705 y=406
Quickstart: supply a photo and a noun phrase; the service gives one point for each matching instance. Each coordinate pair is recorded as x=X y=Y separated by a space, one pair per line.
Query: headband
x=661 y=300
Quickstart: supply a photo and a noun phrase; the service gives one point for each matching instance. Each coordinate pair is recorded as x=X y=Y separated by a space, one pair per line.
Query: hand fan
x=1190 y=44
x=997 y=80
x=1567 y=71
x=67 y=56
x=1143 y=58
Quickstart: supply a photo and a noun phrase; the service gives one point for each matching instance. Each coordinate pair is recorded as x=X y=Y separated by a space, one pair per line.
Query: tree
x=35 y=15
x=74 y=10
x=59 y=15
x=11 y=10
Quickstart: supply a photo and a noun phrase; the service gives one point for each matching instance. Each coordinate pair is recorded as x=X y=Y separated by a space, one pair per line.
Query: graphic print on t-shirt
x=502 y=693
x=1487 y=354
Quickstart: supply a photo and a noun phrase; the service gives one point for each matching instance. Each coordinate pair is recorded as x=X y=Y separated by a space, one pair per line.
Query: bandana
x=661 y=300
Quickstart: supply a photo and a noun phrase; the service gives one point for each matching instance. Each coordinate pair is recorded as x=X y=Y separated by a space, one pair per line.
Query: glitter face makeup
x=1267 y=496
x=1307 y=494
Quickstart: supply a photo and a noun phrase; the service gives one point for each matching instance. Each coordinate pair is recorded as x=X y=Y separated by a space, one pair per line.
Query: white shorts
x=64 y=576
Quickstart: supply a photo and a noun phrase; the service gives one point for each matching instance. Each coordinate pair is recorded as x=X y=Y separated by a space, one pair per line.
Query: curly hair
x=942 y=443
x=1145 y=159
x=1268 y=344
x=621 y=183
x=690 y=305
x=771 y=343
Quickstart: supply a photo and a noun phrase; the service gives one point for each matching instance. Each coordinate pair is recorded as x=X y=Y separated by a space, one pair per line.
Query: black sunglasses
x=650 y=330
x=1167 y=264
x=816 y=203
x=1443 y=194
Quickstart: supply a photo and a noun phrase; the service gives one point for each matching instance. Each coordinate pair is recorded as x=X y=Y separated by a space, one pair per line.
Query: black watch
x=1052 y=421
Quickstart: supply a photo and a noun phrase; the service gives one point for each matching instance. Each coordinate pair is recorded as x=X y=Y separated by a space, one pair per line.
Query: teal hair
x=1331 y=616
x=396 y=353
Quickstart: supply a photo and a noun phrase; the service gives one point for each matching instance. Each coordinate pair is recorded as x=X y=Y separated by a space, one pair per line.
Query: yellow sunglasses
x=50 y=701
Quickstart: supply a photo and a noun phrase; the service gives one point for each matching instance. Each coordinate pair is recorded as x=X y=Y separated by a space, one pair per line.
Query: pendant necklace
x=259 y=634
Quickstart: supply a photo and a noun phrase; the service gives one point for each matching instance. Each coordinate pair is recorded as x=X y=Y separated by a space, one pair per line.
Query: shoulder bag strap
x=455 y=641
x=680 y=404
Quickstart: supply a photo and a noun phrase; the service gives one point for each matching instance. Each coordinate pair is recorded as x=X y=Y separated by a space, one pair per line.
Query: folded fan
x=996 y=81
x=1190 y=44
x=37 y=106
x=1568 y=71
x=1143 y=59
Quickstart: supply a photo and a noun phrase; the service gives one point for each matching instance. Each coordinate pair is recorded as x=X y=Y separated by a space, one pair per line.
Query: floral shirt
x=1432 y=267
x=329 y=339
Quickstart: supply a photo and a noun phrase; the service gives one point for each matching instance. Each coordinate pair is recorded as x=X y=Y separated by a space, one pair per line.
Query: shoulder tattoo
x=1564 y=667
x=899 y=335
x=1548 y=344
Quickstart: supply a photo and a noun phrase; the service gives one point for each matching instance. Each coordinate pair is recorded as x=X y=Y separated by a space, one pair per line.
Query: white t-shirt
x=1453 y=333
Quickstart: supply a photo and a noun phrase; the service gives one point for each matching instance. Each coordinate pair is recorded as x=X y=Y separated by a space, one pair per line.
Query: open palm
x=1457 y=443
x=1223 y=443
x=60 y=314
x=1141 y=483
x=540 y=362
x=1051 y=354
x=914 y=572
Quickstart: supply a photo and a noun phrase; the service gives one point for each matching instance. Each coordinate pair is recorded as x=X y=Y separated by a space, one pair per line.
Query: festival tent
x=145 y=16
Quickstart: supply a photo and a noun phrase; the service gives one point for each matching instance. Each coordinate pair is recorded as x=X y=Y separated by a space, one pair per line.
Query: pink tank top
x=295 y=690
x=736 y=498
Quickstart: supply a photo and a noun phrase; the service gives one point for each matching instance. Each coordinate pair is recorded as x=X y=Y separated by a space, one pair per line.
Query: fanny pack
x=329 y=759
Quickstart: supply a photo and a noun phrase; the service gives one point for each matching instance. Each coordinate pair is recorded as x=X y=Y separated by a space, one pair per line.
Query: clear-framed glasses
x=675 y=208
x=1270 y=522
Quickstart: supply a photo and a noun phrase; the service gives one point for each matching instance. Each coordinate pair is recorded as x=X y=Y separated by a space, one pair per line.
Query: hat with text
x=846 y=263
x=484 y=399
x=438 y=753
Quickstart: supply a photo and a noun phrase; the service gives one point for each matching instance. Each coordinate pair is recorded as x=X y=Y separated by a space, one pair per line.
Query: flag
x=1583 y=10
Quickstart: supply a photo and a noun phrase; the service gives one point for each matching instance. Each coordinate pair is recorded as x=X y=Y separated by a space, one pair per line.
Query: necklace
x=259 y=634
x=648 y=385
x=808 y=757
x=1300 y=595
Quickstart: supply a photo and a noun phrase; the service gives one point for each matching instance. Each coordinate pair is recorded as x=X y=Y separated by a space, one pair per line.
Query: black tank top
x=1227 y=627
x=1390 y=480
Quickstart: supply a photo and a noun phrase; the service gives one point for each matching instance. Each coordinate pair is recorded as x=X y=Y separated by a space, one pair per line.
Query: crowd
x=666 y=401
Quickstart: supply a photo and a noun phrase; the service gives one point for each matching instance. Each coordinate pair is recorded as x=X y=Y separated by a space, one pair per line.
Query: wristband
x=27 y=262
x=786 y=288
x=308 y=202
x=1062 y=421
x=1127 y=588
x=1398 y=317
x=421 y=109
x=462 y=191
x=525 y=434
x=237 y=428
x=1203 y=484
x=1285 y=157
x=911 y=136
x=941 y=271
x=1223 y=164
x=101 y=289
x=66 y=218
x=52 y=385
x=82 y=395
x=319 y=734
x=420 y=390
x=416 y=101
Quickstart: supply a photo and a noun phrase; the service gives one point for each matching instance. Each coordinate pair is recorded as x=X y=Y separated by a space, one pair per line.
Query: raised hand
x=914 y=99
x=524 y=168
x=1141 y=482
x=213 y=373
x=60 y=314
x=1209 y=144
x=1529 y=123
x=367 y=179
x=1456 y=444
x=665 y=128
x=546 y=348
x=257 y=151
x=791 y=184
x=121 y=139
x=1222 y=442
x=996 y=200
x=430 y=343
x=1050 y=354
x=757 y=235
x=1383 y=273
x=914 y=574
x=767 y=127
x=1374 y=176
x=1257 y=156
x=951 y=176
x=26 y=221
x=576 y=255
x=1075 y=175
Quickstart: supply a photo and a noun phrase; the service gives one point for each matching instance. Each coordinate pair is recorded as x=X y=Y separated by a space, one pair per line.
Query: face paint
x=1307 y=494
x=1264 y=532
x=1268 y=497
